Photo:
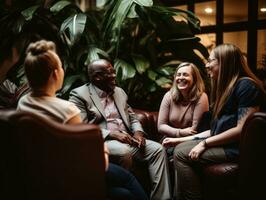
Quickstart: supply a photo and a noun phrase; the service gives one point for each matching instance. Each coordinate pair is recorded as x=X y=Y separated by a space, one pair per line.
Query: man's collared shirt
x=114 y=120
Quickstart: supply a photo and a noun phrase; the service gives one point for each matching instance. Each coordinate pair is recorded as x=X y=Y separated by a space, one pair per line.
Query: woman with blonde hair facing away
x=236 y=94
x=183 y=106
x=45 y=75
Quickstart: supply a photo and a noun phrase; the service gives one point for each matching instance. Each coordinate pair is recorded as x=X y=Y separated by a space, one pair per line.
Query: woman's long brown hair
x=232 y=67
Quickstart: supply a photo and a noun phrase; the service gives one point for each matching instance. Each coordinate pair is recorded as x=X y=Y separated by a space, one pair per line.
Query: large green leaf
x=147 y=3
x=94 y=54
x=73 y=28
x=166 y=70
x=114 y=19
x=127 y=70
x=132 y=13
x=152 y=75
x=29 y=12
x=57 y=7
x=141 y=63
x=164 y=82
x=119 y=13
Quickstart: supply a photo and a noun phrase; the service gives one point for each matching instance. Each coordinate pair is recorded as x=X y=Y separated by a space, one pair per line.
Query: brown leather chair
x=42 y=159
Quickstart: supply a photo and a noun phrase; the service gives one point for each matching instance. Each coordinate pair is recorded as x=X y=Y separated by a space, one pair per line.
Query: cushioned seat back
x=252 y=157
x=11 y=184
x=58 y=161
x=148 y=121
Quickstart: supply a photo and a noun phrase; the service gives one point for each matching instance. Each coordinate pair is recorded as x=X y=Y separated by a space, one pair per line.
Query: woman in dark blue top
x=236 y=94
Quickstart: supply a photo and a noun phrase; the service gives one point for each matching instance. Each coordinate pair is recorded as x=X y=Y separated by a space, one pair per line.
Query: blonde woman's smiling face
x=184 y=78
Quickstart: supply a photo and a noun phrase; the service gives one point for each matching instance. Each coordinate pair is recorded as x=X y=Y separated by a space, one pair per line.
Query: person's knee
x=158 y=148
x=118 y=149
x=180 y=154
x=126 y=151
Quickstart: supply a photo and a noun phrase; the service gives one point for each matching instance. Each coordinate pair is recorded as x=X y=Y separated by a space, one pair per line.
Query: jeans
x=121 y=184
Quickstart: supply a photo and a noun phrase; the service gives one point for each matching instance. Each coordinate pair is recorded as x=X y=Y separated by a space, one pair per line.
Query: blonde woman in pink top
x=183 y=106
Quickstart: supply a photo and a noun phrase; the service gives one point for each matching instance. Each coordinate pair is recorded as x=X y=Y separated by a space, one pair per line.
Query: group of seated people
x=236 y=94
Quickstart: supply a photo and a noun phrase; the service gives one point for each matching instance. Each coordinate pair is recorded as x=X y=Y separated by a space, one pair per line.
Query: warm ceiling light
x=263 y=9
x=208 y=10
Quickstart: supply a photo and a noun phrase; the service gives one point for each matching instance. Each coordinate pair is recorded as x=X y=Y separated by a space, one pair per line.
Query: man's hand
x=123 y=137
x=139 y=138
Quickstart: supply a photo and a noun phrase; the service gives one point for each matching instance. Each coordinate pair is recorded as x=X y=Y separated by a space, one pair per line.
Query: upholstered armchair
x=42 y=159
x=252 y=165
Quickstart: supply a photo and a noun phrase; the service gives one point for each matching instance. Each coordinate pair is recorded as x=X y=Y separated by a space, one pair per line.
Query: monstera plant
x=141 y=38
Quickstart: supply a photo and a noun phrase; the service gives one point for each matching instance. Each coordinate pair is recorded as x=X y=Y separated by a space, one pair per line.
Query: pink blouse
x=173 y=117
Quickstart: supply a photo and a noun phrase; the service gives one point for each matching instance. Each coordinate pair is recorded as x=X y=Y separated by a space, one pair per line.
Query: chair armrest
x=148 y=121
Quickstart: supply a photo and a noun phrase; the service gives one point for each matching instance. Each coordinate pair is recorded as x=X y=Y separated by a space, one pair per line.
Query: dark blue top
x=245 y=94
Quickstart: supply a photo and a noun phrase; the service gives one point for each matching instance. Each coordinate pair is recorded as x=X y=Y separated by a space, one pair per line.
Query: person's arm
x=72 y=114
x=75 y=120
x=201 y=107
x=106 y=155
x=248 y=96
x=168 y=142
x=138 y=138
x=232 y=134
x=134 y=123
x=228 y=136
x=163 y=119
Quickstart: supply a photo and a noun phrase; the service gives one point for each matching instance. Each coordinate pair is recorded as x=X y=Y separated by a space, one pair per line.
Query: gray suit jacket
x=88 y=101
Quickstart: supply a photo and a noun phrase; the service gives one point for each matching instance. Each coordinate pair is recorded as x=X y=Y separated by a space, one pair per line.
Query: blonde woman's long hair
x=197 y=88
x=232 y=66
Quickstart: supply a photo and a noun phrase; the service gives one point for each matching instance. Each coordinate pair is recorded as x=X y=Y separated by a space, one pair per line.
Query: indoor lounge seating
x=228 y=180
x=42 y=159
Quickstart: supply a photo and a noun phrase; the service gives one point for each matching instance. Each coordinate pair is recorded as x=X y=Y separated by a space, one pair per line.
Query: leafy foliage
x=140 y=37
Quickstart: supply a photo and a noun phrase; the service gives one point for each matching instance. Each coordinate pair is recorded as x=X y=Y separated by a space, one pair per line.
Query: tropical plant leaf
x=166 y=70
x=73 y=28
x=127 y=70
x=147 y=3
x=141 y=63
x=132 y=13
x=164 y=82
x=57 y=7
x=94 y=54
x=114 y=19
x=152 y=75
x=29 y=12
x=118 y=14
